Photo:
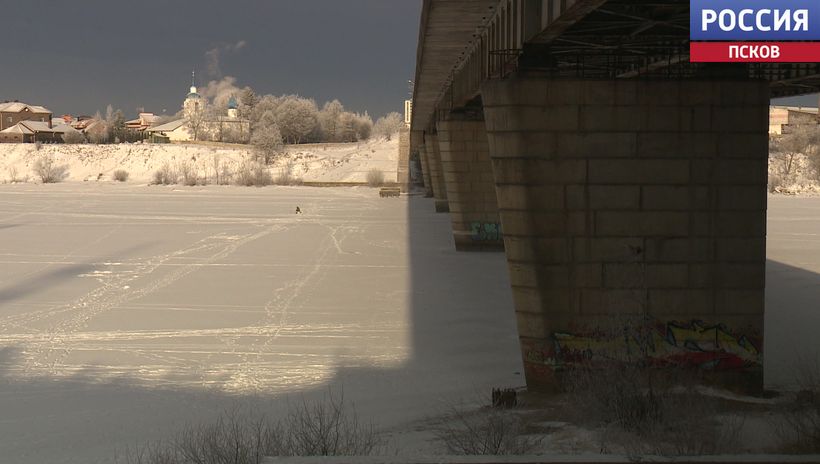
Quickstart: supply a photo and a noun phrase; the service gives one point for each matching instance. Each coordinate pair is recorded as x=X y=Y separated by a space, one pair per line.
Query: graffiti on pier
x=485 y=231
x=694 y=344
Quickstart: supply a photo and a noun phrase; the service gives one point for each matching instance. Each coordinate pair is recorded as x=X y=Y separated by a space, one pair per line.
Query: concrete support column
x=468 y=176
x=436 y=177
x=634 y=217
x=425 y=171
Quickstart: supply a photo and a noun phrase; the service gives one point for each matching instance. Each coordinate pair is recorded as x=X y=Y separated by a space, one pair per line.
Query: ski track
x=276 y=310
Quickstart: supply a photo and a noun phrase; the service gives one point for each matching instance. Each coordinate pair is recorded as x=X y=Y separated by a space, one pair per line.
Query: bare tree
x=48 y=171
x=788 y=149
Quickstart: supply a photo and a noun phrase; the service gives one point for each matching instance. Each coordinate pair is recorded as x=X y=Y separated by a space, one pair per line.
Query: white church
x=200 y=124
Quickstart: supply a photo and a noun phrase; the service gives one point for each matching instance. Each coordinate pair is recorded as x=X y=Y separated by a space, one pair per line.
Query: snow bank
x=339 y=162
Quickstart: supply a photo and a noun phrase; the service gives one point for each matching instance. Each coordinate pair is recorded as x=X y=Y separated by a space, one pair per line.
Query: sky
x=78 y=57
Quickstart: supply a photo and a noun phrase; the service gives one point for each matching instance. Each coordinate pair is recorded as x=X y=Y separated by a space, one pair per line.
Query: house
x=143 y=122
x=12 y=113
x=34 y=131
x=784 y=118
x=175 y=131
x=85 y=123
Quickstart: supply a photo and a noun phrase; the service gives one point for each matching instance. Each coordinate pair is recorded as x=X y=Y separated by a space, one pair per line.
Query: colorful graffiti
x=712 y=347
x=485 y=231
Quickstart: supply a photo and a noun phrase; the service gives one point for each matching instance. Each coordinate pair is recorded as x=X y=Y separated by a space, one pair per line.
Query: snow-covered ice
x=128 y=311
x=792 y=289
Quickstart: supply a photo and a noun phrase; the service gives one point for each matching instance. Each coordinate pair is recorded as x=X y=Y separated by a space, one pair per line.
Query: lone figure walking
x=298 y=210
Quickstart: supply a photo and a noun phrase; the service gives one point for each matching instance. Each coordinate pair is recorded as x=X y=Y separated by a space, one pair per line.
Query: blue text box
x=725 y=10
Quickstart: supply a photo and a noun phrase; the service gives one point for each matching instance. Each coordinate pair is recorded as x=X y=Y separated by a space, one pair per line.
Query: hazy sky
x=77 y=57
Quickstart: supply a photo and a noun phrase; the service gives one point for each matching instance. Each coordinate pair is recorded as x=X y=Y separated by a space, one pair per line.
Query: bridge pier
x=403 y=173
x=468 y=176
x=431 y=142
x=425 y=172
x=634 y=218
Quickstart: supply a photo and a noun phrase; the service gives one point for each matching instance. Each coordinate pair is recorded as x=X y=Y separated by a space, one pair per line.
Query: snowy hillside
x=339 y=162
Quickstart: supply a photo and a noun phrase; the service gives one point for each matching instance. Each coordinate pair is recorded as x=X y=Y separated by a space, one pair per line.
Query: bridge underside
x=626 y=185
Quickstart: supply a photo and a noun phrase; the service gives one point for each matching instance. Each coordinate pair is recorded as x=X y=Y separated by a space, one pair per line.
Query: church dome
x=232 y=104
x=193 y=93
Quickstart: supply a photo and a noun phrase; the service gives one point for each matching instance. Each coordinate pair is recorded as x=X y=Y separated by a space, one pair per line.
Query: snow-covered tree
x=195 y=122
x=364 y=126
x=329 y=120
x=72 y=136
x=247 y=102
x=266 y=138
x=297 y=117
x=388 y=126
x=346 y=131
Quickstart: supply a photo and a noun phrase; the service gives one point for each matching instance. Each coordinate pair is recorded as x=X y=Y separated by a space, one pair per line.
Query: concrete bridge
x=626 y=185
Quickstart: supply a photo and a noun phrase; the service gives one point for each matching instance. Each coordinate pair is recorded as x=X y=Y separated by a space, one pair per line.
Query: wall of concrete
x=634 y=217
x=468 y=176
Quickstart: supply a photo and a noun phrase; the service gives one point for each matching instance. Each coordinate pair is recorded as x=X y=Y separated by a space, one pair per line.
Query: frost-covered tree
x=262 y=106
x=98 y=131
x=297 y=117
x=347 y=127
x=329 y=120
x=72 y=136
x=266 y=138
x=116 y=125
x=215 y=127
x=195 y=121
x=364 y=126
x=247 y=102
x=388 y=126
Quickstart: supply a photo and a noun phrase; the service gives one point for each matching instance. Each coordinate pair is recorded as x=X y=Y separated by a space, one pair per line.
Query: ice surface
x=792 y=289
x=127 y=312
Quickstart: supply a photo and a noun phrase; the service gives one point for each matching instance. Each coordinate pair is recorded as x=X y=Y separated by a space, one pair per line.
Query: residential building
x=175 y=131
x=34 y=131
x=14 y=112
x=143 y=122
x=784 y=118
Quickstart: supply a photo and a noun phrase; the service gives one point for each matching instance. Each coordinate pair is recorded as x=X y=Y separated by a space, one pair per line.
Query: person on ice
x=298 y=210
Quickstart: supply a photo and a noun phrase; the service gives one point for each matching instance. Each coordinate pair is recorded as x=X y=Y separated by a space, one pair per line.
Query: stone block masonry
x=627 y=203
x=403 y=172
x=425 y=171
x=431 y=143
x=468 y=179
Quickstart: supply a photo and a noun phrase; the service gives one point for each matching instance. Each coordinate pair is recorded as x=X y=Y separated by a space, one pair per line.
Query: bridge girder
x=463 y=43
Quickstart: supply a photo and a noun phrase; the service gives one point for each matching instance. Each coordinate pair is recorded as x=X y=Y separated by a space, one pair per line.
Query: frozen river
x=127 y=312
x=792 y=288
